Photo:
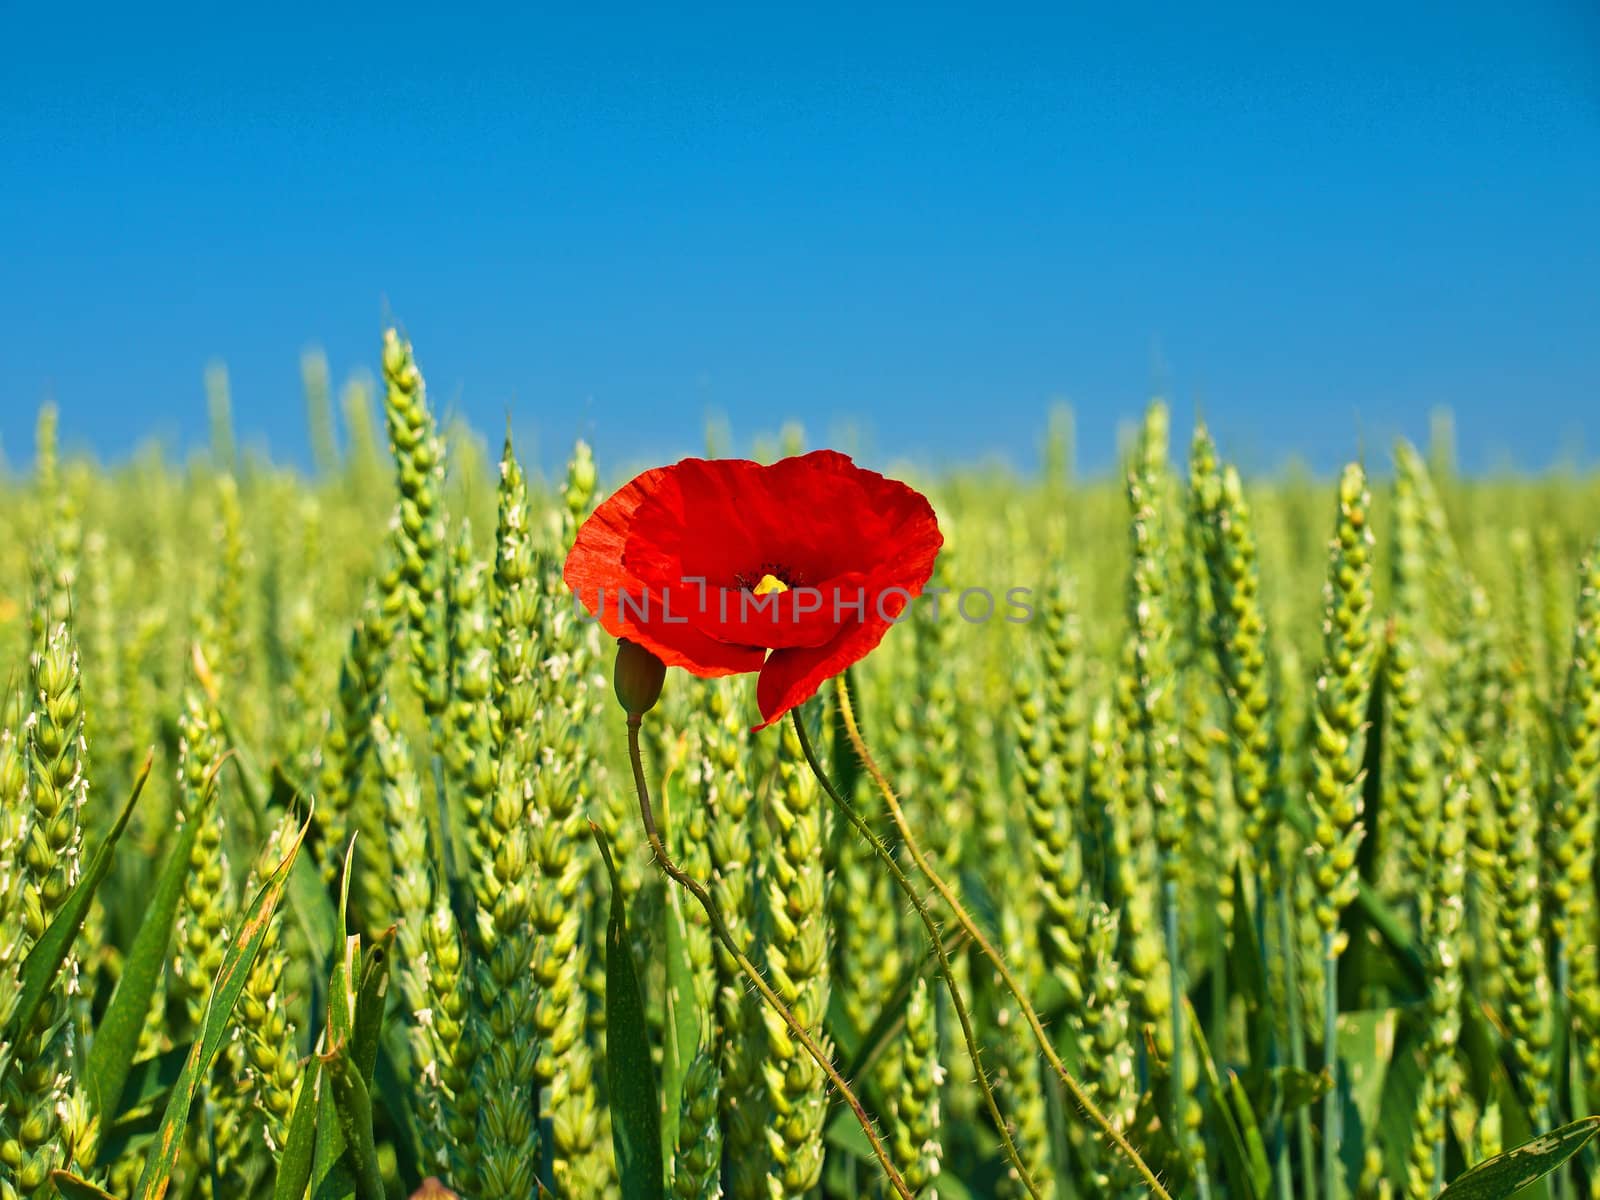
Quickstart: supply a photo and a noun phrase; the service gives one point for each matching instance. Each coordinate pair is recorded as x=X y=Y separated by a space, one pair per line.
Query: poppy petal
x=791 y=677
x=626 y=607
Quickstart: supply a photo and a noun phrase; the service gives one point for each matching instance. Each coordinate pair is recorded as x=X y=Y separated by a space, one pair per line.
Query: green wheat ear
x=419 y=531
x=918 y=1122
x=1342 y=688
x=1335 y=794
x=204 y=916
x=1573 y=817
x=506 y=1079
x=560 y=847
x=1529 y=999
x=797 y=968
x=1151 y=678
x=1048 y=723
x=1446 y=884
x=742 y=1098
x=44 y=789
x=1240 y=631
x=697 y=1161
x=265 y=1055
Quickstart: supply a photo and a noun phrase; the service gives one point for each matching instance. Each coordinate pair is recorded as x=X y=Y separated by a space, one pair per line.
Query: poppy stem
x=720 y=928
x=886 y=856
x=908 y=839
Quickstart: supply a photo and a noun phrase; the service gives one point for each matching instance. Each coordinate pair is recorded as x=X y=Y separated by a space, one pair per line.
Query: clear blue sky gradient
x=1315 y=222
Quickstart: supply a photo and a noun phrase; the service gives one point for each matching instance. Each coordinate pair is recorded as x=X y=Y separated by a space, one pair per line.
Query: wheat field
x=1262 y=825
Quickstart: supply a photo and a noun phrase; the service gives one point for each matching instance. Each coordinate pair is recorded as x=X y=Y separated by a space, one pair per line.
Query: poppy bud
x=638 y=677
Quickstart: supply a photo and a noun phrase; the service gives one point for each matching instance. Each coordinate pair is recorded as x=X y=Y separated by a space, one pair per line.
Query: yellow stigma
x=770 y=583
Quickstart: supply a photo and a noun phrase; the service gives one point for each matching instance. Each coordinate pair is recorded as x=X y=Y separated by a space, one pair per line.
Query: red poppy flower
x=722 y=566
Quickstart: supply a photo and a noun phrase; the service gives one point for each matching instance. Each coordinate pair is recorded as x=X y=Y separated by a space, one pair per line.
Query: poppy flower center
x=769 y=583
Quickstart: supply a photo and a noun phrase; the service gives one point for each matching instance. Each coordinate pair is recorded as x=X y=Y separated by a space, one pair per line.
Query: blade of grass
x=1504 y=1175
x=73 y=1188
x=300 y=1147
x=353 y=1103
x=116 y=1037
x=225 y=991
x=683 y=1020
x=330 y=1170
x=630 y=1072
x=371 y=996
x=1255 y=1144
x=1245 y=1171
x=144 y=1100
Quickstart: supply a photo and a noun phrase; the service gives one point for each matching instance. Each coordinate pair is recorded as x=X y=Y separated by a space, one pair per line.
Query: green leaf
x=116 y=1037
x=371 y=995
x=1516 y=1128
x=1243 y=1172
x=342 y=992
x=1246 y=973
x=1504 y=1175
x=843 y=1133
x=300 y=1145
x=1489 y=1085
x=353 y=1103
x=330 y=1171
x=347 y=966
x=630 y=1073
x=1366 y=1041
x=1397 y=1107
x=231 y=976
x=1248 y=1127
x=1366 y=1047
x=1255 y=1144
x=144 y=1100
x=683 y=1019
x=152 y=1077
x=44 y=960
x=73 y=1188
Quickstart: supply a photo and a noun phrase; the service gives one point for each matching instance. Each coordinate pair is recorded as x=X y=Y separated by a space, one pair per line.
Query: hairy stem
x=885 y=856
x=720 y=928
x=908 y=839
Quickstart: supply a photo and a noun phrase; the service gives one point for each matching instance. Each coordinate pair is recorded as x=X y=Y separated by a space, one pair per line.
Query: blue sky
x=926 y=222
